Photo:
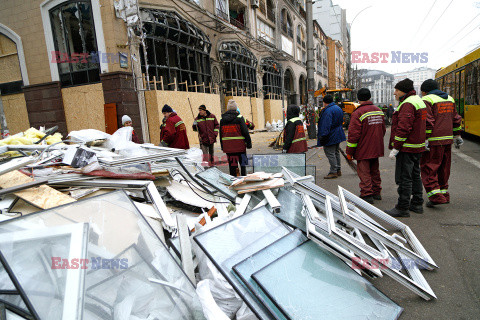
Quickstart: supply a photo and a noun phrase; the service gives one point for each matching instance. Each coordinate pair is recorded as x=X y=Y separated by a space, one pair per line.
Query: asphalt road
x=450 y=233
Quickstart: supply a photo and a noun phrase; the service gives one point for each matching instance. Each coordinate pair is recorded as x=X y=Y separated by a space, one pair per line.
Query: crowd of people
x=422 y=133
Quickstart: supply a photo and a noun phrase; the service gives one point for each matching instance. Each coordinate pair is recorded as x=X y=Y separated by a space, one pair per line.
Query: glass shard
x=291 y=209
x=236 y=240
x=309 y=281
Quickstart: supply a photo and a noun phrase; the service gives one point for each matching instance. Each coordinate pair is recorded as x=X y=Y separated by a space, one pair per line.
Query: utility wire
x=439 y=18
x=446 y=42
x=423 y=20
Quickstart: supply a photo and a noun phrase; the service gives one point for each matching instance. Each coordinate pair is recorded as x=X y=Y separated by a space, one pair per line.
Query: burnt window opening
x=286 y=23
x=272 y=79
x=76 y=51
x=177 y=51
x=240 y=69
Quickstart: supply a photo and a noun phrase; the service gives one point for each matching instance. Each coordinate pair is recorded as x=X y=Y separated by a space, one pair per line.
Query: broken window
x=76 y=51
x=272 y=79
x=240 y=68
x=177 y=51
x=286 y=23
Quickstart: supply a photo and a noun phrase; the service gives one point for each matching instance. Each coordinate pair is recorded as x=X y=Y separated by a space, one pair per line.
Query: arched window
x=301 y=45
x=176 y=50
x=286 y=22
x=240 y=68
x=318 y=57
x=11 y=81
x=272 y=79
x=74 y=38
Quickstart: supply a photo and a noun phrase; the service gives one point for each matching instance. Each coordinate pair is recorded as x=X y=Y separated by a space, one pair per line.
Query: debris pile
x=109 y=229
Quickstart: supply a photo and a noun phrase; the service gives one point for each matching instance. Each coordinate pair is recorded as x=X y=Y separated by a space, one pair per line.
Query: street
x=450 y=233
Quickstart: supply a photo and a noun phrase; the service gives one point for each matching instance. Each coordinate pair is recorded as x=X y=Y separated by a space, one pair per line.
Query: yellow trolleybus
x=461 y=80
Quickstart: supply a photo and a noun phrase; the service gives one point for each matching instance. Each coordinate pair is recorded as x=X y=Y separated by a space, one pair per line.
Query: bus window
x=456 y=91
x=461 y=95
x=471 y=82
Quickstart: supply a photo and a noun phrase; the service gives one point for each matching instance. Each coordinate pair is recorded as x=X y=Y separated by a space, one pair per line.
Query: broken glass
x=291 y=209
x=257 y=261
x=219 y=181
x=273 y=163
x=236 y=240
x=309 y=281
x=129 y=273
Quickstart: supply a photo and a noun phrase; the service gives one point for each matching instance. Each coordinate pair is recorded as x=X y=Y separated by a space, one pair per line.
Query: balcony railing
x=237 y=23
x=222 y=15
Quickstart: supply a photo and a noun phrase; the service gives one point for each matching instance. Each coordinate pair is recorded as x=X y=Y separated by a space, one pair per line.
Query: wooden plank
x=43 y=197
x=270 y=184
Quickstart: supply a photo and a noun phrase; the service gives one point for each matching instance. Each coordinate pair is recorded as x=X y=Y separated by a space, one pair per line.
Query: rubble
x=270 y=245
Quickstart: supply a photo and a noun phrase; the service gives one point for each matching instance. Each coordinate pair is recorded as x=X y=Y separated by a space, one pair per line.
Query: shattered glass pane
x=247 y=267
x=291 y=209
x=273 y=163
x=236 y=240
x=310 y=281
x=219 y=180
x=15 y=300
x=124 y=258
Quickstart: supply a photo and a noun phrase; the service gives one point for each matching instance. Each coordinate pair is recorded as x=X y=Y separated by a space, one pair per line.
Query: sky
x=445 y=29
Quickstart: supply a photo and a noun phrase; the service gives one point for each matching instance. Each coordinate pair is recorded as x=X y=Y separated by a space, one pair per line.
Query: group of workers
x=423 y=130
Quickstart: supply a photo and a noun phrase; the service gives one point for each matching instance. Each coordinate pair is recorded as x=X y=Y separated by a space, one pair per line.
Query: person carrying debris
x=207 y=125
x=234 y=139
x=330 y=134
x=127 y=122
x=443 y=128
x=294 y=140
x=174 y=133
x=365 y=144
x=407 y=142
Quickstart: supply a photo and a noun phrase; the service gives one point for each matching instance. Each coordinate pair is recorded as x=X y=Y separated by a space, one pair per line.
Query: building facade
x=379 y=83
x=64 y=61
x=417 y=75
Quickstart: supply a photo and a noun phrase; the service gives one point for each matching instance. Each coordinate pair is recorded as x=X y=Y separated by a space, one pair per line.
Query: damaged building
x=86 y=63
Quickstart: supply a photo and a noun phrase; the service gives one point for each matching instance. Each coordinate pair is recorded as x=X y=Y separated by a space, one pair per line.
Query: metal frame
x=367 y=252
x=176 y=49
x=272 y=77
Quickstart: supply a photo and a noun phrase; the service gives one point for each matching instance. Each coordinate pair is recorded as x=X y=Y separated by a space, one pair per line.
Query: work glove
x=284 y=151
x=393 y=153
x=349 y=157
x=458 y=142
x=195 y=122
x=426 y=146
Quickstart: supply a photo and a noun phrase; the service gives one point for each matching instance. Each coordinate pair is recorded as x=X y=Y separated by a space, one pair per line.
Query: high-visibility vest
x=299 y=142
x=443 y=130
x=232 y=139
x=418 y=103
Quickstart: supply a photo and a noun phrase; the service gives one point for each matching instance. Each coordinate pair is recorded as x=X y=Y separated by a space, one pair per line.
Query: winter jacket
x=234 y=136
x=294 y=140
x=135 y=137
x=366 y=132
x=330 y=129
x=250 y=125
x=207 y=128
x=409 y=124
x=443 y=121
x=174 y=134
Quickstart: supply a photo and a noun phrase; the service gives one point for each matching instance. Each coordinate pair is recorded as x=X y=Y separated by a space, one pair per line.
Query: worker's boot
x=368 y=199
x=339 y=173
x=331 y=176
x=395 y=212
x=377 y=197
x=417 y=208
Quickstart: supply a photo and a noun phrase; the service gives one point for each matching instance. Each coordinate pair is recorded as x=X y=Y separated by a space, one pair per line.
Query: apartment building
x=379 y=83
x=85 y=63
x=417 y=75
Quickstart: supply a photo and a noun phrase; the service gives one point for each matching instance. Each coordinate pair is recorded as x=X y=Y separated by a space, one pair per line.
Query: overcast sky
x=445 y=29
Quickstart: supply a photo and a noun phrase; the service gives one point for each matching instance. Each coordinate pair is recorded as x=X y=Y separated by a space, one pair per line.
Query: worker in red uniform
x=250 y=125
x=365 y=144
x=207 y=126
x=294 y=140
x=407 y=142
x=174 y=133
x=234 y=139
x=127 y=122
x=443 y=127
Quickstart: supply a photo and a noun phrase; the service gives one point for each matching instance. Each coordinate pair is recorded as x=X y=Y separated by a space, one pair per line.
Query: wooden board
x=264 y=185
x=43 y=197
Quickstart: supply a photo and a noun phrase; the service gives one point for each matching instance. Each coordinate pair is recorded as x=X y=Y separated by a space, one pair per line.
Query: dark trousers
x=435 y=167
x=207 y=150
x=407 y=178
x=333 y=155
x=369 y=173
x=235 y=159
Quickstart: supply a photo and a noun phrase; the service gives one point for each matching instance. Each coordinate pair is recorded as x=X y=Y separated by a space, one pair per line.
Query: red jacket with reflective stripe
x=409 y=124
x=443 y=121
x=207 y=128
x=234 y=136
x=294 y=140
x=366 y=132
x=174 y=134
